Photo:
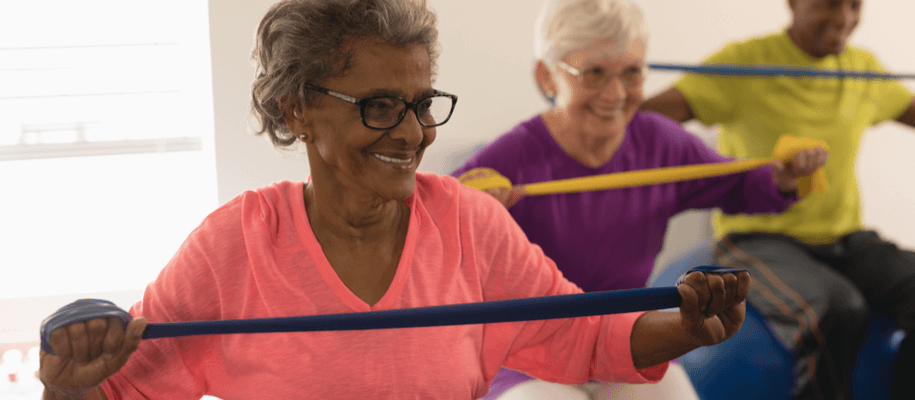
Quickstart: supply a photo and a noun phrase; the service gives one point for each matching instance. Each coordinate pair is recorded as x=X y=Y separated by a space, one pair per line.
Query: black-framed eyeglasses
x=386 y=112
x=597 y=76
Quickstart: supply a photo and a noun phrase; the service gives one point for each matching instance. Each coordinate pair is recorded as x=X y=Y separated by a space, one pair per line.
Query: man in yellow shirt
x=815 y=269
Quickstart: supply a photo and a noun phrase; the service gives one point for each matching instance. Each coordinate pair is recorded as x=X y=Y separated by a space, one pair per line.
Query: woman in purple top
x=591 y=67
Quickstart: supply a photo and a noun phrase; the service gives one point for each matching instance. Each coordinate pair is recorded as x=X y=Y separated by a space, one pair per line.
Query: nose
x=847 y=16
x=614 y=88
x=409 y=130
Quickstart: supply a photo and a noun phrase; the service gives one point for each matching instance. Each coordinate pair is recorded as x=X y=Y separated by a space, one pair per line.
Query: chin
x=606 y=130
x=833 y=47
x=404 y=189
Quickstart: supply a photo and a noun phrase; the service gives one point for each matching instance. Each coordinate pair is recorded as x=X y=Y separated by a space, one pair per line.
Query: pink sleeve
x=573 y=350
x=187 y=289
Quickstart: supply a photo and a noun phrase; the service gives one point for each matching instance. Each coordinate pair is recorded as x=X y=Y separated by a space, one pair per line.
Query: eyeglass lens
x=385 y=112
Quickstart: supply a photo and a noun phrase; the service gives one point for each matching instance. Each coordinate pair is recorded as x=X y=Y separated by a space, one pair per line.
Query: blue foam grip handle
x=525 y=309
x=79 y=311
x=710 y=269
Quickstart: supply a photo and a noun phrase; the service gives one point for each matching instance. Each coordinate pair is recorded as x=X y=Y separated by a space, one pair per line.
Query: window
x=106 y=134
x=106 y=160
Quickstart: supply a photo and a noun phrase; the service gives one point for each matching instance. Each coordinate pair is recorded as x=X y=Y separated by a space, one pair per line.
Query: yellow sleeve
x=713 y=99
x=892 y=97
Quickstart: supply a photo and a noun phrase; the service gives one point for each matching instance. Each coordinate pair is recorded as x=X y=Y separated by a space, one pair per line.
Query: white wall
x=243 y=160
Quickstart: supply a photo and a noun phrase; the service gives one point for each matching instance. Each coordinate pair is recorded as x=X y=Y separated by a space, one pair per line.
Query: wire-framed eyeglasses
x=386 y=112
x=597 y=76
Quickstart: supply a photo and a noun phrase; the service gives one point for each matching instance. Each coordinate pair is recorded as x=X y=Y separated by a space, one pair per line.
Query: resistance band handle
x=524 y=309
x=709 y=269
x=79 y=311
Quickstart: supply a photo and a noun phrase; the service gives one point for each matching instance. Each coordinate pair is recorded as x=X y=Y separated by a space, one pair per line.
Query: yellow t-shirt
x=754 y=111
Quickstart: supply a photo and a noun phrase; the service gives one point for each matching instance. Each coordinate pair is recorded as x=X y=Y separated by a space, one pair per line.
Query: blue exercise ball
x=750 y=365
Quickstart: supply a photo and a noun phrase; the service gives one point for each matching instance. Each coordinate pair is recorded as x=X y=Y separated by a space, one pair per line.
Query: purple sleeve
x=495 y=155
x=506 y=153
x=748 y=192
x=469 y=164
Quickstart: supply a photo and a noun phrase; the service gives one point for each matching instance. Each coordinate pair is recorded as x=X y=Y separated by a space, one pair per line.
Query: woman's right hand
x=87 y=353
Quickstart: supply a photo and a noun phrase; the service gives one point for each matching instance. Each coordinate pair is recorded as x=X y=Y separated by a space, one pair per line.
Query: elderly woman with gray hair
x=591 y=67
x=351 y=82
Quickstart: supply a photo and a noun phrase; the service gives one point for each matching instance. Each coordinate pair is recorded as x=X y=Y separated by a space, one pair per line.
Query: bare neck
x=352 y=217
x=592 y=151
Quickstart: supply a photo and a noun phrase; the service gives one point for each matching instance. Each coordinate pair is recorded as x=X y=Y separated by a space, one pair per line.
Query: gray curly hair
x=303 y=42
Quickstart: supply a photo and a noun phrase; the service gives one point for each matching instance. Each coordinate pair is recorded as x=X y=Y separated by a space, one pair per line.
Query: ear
x=545 y=80
x=296 y=119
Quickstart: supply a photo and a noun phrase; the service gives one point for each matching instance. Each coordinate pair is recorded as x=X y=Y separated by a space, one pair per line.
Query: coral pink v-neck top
x=257 y=257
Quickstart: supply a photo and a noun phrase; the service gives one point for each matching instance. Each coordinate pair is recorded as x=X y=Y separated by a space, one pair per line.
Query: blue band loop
x=763 y=70
x=525 y=309
x=79 y=311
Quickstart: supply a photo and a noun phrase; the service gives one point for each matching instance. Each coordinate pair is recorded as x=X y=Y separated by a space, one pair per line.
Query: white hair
x=564 y=26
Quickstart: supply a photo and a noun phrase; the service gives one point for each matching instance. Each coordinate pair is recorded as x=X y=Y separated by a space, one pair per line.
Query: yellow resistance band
x=785 y=149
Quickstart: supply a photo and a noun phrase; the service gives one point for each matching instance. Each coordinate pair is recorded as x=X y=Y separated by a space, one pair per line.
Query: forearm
x=658 y=337
x=670 y=103
x=908 y=117
x=755 y=192
x=93 y=394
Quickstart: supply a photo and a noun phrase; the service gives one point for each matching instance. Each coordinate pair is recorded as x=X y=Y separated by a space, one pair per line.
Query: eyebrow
x=392 y=93
x=634 y=64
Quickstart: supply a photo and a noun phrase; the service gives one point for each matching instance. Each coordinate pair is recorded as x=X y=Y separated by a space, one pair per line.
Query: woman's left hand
x=508 y=196
x=713 y=306
x=803 y=164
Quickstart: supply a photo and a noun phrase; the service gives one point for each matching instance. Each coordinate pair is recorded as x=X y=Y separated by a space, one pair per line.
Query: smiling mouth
x=400 y=161
x=612 y=112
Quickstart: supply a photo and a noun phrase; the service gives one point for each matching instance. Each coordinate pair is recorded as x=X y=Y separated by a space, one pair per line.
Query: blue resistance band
x=525 y=309
x=757 y=70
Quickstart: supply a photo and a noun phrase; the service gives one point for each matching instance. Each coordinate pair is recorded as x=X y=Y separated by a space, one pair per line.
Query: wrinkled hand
x=88 y=353
x=713 y=306
x=508 y=197
x=803 y=164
